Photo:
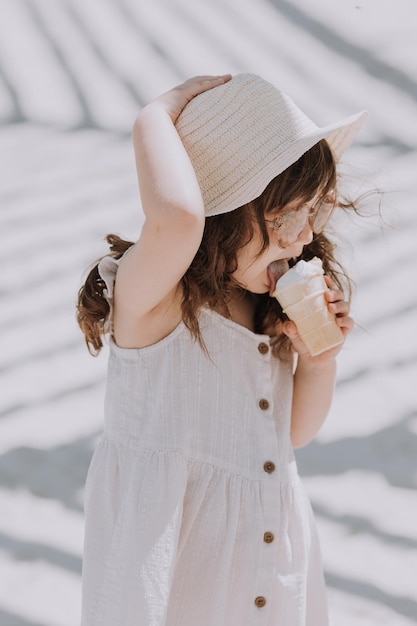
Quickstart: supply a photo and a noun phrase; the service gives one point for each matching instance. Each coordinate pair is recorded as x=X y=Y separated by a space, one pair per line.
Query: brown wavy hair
x=209 y=279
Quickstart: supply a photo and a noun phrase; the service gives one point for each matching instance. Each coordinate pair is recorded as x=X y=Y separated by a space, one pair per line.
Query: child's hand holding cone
x=319 y=313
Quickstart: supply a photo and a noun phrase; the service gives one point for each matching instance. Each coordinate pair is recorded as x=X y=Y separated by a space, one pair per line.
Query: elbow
x=166 y=206
x=175 y=223
x=183 y=216
x=298 y=443
x=300 y=439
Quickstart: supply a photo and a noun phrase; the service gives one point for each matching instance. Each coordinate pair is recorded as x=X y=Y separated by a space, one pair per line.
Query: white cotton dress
x=195 y=514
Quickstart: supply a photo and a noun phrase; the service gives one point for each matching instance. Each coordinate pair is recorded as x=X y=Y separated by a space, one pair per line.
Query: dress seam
x=190 y=459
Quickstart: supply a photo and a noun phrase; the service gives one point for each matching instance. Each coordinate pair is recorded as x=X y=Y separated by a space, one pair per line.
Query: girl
x=195 y=514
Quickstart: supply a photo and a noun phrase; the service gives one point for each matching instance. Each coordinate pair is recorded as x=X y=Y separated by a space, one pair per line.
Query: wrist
x=320 y=363
x=155 y=110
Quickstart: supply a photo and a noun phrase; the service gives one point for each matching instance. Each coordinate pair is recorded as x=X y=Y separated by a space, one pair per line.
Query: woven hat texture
x=242 y=134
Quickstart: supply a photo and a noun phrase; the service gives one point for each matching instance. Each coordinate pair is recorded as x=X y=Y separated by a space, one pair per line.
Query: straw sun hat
x=242 y=134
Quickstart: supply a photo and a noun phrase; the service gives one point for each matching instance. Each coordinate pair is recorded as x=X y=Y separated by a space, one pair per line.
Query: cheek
x=245 y=265
x=248 y=256
x=249 y=266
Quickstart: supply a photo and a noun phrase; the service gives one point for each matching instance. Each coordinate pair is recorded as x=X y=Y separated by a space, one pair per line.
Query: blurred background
x=73 y=75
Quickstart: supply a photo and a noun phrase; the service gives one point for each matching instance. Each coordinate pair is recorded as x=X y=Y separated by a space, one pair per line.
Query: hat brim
x=339 y=135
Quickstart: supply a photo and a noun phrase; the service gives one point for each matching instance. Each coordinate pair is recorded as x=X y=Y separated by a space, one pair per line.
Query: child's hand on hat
x=174 y=100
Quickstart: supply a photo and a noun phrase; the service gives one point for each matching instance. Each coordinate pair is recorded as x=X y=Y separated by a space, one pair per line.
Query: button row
x=269 y=467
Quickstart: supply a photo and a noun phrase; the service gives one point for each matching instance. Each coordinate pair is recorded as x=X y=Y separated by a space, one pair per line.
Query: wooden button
x=263 y=348
x=269 y=537
x=269 y=467
x=264 y=404
x=260 y=601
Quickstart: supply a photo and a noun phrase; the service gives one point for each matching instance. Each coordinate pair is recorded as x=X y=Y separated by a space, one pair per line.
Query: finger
x=221 y=77
x=345 y=321
x=334 y=295
x=339 y=308
x=209 y=77
x=290 y=329
x=177 y=98
x=200 y=84
x=328 y=281
x=346 y=324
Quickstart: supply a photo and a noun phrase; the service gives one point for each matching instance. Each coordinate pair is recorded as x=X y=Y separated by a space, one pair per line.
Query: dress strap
x=107 y=269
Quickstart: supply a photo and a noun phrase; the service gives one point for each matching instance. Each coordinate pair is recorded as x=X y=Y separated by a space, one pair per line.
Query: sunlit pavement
x=72 y=77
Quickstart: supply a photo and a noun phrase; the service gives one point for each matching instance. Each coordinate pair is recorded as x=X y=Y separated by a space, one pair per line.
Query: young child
x=195 y=515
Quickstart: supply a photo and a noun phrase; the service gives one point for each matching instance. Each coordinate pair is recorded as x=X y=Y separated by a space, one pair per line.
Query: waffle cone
x=322 y=338
x=304 y=303
x=316 y=325
x=290 y=294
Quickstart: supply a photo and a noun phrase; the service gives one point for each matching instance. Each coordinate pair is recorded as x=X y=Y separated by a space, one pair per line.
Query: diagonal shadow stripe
x=373 y=66
x=50 y=399
x=87 y=117
x=11 y=619
x=390 y=366
x=40 y=355
x=102 y=58
x=387 y=318
x=22 y=550
x=149 y=38
x=358 y=524
x=377 y=452
x=400 y=604
x=228 y=51
x=16 y=116
x=57 y=473
x=385 y=139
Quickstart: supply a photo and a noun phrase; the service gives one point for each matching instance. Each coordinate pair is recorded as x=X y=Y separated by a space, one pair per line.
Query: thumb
x=290 y=329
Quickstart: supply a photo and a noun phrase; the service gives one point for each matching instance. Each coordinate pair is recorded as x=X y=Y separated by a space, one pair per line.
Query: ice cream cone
x=301 y=294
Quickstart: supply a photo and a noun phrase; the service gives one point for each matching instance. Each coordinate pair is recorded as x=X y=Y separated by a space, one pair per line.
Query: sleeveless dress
x=195 y=514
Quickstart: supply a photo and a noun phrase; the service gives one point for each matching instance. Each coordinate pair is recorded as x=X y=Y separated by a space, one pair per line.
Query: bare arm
x=149 y=274
x=314 y=378
x=312 y=398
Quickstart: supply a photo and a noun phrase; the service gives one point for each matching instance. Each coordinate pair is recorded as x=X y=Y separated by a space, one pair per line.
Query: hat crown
x=242 y=134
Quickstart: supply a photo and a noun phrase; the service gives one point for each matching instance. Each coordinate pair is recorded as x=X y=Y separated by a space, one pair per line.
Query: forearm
x=167 y=180
x=312 y=397
x=168 y=184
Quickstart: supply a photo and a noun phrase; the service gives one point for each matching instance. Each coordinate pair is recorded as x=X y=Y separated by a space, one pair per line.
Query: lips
x=275 y=270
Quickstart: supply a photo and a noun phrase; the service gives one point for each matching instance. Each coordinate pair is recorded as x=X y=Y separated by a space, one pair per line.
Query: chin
x=257 y=291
